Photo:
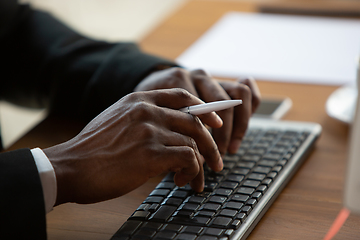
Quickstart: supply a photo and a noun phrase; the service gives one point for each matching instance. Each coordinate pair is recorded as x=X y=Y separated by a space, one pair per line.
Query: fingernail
x=220 y=165
x=234 y=146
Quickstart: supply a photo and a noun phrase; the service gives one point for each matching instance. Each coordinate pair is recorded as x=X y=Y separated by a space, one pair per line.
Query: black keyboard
x=233 y=200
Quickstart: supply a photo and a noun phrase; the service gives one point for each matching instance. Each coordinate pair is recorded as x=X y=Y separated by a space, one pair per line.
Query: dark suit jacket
x=46 y=64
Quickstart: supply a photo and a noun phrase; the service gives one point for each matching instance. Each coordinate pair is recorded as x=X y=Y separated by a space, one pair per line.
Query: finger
x=192 y=126
x=175 y=140
x=242 y=114
x=179 y=98
x=183 y=161
x=255 y=92
x=210 y=90
x=198 y=182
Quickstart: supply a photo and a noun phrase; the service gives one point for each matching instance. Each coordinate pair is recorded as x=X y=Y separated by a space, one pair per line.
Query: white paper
x=274 y=47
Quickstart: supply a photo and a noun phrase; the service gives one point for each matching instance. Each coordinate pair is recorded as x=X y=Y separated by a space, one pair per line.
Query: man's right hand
x=139 y=137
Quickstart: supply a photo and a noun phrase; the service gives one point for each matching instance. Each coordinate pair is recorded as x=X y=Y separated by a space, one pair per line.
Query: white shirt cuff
x=47 y=177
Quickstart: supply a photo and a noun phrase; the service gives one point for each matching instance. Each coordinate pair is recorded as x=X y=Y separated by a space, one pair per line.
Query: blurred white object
x=341 y=104
x=313 y=50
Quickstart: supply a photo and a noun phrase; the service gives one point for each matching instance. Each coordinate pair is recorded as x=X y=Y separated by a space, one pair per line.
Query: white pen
x=210 y=107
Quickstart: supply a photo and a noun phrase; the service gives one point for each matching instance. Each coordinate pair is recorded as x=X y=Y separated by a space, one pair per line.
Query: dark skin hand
x=139 y=137
x=200 y=84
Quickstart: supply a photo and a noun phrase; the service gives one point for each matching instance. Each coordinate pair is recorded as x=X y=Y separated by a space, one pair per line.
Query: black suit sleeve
x=49 y=65
x=22 y=214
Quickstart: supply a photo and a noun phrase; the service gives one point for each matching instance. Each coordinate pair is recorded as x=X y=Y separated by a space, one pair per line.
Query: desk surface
x=306 y=207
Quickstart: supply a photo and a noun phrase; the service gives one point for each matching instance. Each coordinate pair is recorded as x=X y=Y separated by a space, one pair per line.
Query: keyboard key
x=217 y=199
x=173 y=201
x=153 y=200
x=267 y=181
x=163 y=213
x=246 y=190
x=282 y=163
x=141 y=215
x=210 y=186
x=251 y=183
x=251 y=202
x=197 y=220
x=257 y=151
x=187 y=187
x=267 y=163
x=229 y=232
x=207 y=238
x=184 y=214
x=211 y=207
x=246 y=209
x=260 y=169
x=272 y=175
x=159 y=192
x=228 y=165
x=172 y=227
x=179 y=194
x=223 y=192
x=277 y=169
x=186 y=236
x=272 y=156
x=256 y=176
x=229 y=185
x=228 y=213
x=243 y=164
x=232 y=158
x=143 y=207
x=239 y=198
x=146 y=232
x=235 y=178
x=205 y=213
x=165 y=185
x=193 y=229
x=240 y=171
x=153 y=207
x=196 y=199
x=152 y=225
x=236 y=224
x=190 y=206
x=233 y=205
x=241 y=216
x=128 y=228
x=251 y=158
x=278 y=150
x=214 y=232
x=165 y=235
x=262 y=188
x=221 y=222
x=257 y=195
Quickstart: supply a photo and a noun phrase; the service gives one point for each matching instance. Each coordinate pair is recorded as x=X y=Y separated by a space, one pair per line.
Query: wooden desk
x=306 y=207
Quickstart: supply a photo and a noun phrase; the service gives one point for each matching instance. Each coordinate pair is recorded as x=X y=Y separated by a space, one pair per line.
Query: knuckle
x=140 y=111
x=189 y=153
x=182 y=94
x=200 y=72
x=189 y=157
x=244 y=89
x=179 y=73
x=146 y=131
x=241 y=91
x=133 y=97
